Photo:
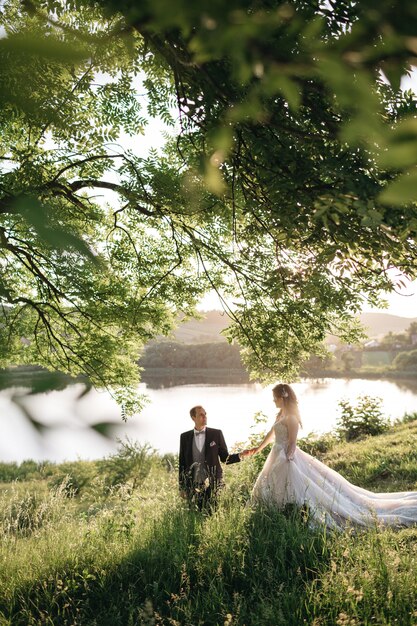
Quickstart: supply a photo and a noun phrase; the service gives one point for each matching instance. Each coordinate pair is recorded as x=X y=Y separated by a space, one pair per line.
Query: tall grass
x=140 y=556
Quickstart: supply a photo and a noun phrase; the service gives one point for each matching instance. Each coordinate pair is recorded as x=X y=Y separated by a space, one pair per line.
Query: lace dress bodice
x=281 y=434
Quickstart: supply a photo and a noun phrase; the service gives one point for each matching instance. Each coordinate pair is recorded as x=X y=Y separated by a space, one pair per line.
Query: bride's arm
x=292 y=425
x=267 y=439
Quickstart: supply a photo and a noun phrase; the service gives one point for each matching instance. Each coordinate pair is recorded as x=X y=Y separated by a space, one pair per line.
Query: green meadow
x=110 y=542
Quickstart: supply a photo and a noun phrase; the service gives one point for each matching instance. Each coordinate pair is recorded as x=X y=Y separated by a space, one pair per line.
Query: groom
x=201 y=450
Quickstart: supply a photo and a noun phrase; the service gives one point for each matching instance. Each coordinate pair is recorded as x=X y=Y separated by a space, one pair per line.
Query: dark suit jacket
x=215 y=451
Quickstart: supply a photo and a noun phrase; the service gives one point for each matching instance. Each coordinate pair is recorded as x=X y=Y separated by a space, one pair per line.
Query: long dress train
x=331 y=499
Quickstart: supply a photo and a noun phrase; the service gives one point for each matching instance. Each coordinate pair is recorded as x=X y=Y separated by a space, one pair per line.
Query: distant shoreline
x=156 y=378
x=354 y=374
x=160 y=377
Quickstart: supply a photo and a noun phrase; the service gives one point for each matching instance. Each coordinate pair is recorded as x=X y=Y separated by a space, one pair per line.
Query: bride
x=293 y=476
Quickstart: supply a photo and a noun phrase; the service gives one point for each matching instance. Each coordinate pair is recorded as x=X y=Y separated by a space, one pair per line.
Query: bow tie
x=199 y=432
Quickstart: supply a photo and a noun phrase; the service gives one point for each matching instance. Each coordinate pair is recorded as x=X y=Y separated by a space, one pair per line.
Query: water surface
x=229 y=407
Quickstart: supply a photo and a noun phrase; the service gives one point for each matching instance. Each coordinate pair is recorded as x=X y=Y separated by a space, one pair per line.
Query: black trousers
x=202 y=498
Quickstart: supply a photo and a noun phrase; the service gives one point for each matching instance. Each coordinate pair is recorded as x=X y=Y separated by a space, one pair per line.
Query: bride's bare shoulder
x=290 y=419
x=281 y=420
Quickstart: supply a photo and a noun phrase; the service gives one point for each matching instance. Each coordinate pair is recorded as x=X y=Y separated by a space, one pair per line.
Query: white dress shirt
x=200 y=438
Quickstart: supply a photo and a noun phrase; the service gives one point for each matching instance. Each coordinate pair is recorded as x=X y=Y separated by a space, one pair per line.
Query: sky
x=404 y=304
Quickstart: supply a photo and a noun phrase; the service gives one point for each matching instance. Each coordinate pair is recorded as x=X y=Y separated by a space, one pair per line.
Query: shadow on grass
x=238 y=566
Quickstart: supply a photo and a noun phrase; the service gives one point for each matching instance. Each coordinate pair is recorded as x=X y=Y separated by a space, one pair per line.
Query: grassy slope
x=145 y=559
x=384 y=463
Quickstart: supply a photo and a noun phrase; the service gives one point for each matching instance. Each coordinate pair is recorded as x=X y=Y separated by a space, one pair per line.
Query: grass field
x=91 y=552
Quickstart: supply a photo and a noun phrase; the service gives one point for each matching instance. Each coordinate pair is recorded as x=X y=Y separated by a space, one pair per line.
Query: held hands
x=247 y=453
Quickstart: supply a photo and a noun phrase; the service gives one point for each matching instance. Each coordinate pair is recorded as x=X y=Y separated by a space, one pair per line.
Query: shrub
x=254 y=440
x=366 y=418
x=405 y=361
x=408 y=417
x=317 y=445
x=27 y=470
x=130 y=464
x=8 y=472
x=169 y=461
x=73 y=477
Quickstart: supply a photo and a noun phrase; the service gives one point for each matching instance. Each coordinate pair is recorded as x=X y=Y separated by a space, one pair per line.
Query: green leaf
x=49 y=48
x=213 y=179
x=402 y=191
x=37 y=215
x=278 y=83
x=103 y=428
x=398 y=156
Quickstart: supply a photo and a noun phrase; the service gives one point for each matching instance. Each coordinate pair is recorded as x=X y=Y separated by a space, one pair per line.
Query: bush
x=130 y=464
x=27 y=470
x=8 y=472
x=254 y=440
x=74 y=477
x=366 y=418
x=169 y=461
x=408 y=417
x=405 y=361
x=317 y=445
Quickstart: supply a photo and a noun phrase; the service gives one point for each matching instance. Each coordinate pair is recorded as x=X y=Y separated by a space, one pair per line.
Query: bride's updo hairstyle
x=284 y=391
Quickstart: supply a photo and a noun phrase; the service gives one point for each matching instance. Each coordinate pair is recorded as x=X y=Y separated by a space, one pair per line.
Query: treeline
x=203 y=355
x=169 y=363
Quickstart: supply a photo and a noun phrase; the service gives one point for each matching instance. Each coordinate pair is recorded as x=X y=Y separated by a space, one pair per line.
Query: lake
x=229 y=407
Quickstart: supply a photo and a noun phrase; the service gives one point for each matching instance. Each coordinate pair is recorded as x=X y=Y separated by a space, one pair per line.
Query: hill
x=382 y=323
x=209 y=327
x=205 y=330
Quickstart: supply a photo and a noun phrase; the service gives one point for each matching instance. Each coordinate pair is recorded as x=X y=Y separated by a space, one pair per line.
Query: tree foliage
x=85 y=283
x=288 y=185
x=284 y=110
x=406 y=361
x=366 y=418
x=171 y=354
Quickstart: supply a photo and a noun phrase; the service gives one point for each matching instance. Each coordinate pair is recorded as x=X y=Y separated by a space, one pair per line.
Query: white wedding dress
x=331 y=499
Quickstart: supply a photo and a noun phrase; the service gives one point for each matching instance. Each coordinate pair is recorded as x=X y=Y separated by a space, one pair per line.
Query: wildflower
x=345 y=620
x=396 y=561
x=357 y=593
